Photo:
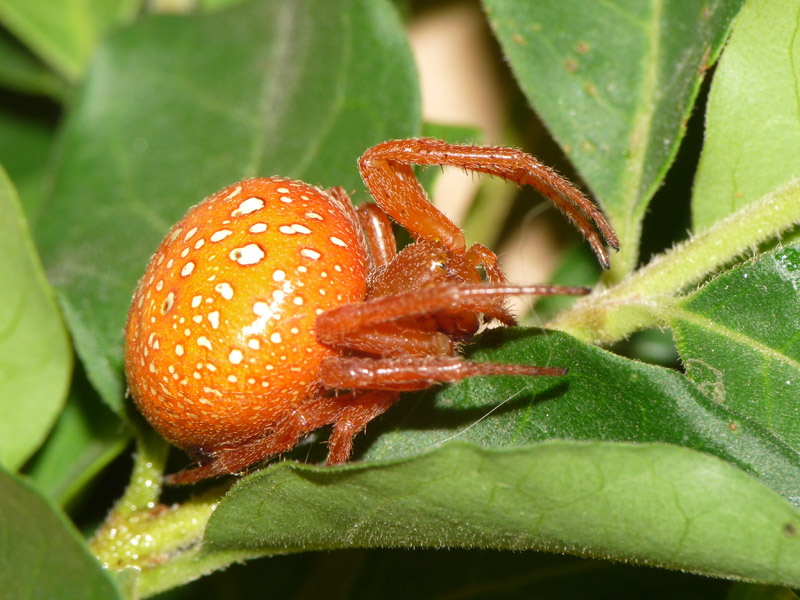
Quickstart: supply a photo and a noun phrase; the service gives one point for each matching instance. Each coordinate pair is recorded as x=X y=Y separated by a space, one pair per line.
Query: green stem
x=145 y=485
x=611 y=314
x=141 y=533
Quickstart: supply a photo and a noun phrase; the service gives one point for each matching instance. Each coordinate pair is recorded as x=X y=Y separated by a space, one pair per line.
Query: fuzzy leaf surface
x=604 y=397
x=739 y=339
x=656 y=503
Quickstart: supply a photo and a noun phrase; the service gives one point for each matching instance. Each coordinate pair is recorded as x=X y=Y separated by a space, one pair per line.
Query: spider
x=274 y=308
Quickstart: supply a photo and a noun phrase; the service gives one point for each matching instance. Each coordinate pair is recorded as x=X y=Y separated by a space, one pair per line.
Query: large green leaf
x=64 y=33
x=752 y=127
x=167 y=118
x=604 y=397
x=614 y=82
x=739 y=339
x=41 y=554
x=35 y=356
x=652 y=503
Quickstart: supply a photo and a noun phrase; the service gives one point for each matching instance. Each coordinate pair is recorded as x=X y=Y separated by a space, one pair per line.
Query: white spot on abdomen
x=220 y=235
x=225 y=290
x=247 y=255
x=248 y=206
x=234 y=193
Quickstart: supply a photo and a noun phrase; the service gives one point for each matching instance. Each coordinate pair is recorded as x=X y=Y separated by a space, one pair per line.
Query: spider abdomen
x=220 y=336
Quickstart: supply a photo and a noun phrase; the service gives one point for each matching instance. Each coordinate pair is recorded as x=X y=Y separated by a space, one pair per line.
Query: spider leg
x=360 y=410
x=392 y=339
x=386 y=172
x=333 y=326
x=480 y=254
x=378 y=231
x=349 y=413
x=407 y=373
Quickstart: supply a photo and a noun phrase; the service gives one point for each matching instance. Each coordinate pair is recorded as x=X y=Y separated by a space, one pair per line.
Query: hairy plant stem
x=141 y=534
x=642 y=299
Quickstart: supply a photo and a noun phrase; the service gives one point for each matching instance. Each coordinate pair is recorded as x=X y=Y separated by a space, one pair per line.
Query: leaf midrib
x=678 y=312
x=630 y=227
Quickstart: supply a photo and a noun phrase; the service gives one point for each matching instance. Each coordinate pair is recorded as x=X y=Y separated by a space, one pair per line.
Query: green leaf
x=167 y=118
x=27 y=134
x=738 y=339
x=35 y=356
x=41 y=554
x=752 y=127
x=604 y=397
x=22 y=71
x=615 y=83
x=651 y=503
x=85 y=439
x=64 y=33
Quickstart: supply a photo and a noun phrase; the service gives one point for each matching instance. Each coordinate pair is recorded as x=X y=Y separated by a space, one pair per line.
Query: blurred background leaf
x=35 y=355
x=752 y=128
x=65 y=33
x=42 y=555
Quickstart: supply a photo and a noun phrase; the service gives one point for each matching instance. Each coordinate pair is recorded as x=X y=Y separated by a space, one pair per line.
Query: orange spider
x=274 y=308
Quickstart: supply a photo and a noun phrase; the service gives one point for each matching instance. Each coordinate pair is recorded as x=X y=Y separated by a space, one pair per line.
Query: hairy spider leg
x=386 y=170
